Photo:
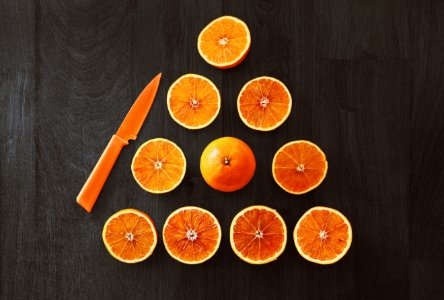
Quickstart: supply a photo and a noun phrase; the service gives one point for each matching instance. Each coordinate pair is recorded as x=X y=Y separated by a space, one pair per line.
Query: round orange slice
x=258 y=234
x=130 y=236
x=191 y=235
x=264 y=103
x=193 y=101
x=323 y=235
x=224 y=43
x=159 y=166
x=299 y=167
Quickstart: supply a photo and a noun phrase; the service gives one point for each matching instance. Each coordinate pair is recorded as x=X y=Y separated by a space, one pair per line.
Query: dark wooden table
x=367 y=79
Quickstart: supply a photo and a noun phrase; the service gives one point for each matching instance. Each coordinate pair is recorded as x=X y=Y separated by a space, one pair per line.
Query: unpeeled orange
x=227 y=164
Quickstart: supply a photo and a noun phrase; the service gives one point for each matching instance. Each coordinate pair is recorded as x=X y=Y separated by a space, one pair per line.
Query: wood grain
x=366 y=80
x=427 y=134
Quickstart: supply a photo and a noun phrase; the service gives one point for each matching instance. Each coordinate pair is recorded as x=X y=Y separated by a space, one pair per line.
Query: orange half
x=130 y=236
x=323 y=235
x=193 y=101
x=258 y=234
x=264 y=103
x=159 y=166
x=299 y=167
x=224 y=43
x=191 y=235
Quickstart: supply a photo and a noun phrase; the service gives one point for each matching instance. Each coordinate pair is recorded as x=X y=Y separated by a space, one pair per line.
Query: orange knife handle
x=91 y=190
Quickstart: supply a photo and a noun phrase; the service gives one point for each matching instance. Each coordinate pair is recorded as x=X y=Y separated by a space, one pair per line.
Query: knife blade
x=128 y=130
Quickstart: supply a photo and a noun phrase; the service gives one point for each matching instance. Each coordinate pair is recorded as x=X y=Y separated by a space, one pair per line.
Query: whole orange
x=227 y=164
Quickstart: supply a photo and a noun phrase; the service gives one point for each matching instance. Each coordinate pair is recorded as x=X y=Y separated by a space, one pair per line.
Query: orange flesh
x=224 y=41
x=264 y=103
x=322 y=235
x=130 y=236
x=299 y=167
x=194 y=101
x=159 y=166
x=258 y=234
x=191 y=235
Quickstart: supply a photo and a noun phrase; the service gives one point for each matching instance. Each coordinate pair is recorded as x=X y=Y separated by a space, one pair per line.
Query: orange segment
x=191 y=235
x=264 y=103
x=225 y=42
x=299 y=167
x=323 y=235
x=159 y=166
x=258 y=234
x=193 y=101
x=129 y=236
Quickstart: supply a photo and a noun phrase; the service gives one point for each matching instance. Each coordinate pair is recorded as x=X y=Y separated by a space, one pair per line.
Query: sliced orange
x=130 y=236
x=193 y=101
x=191 y=235
x=299 y=167
x=264 y=103
x=224 y=43
x=159 y=166
x=323 y=235
x=258 y=234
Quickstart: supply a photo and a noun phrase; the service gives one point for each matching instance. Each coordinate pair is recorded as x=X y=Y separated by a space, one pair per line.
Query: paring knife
x=128 y=130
